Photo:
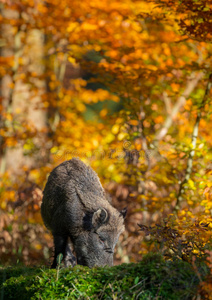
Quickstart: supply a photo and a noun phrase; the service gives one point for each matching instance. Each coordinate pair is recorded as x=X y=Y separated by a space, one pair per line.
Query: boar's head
x=95 y=245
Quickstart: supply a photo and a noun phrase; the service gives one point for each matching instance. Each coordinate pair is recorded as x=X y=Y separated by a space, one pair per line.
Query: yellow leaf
x=89 y=26
x=115 y=129
x=81 y=107
x=95 y=143
x=3 y=204
x=109 y=138
x=167 y=51
x=111 y=168
x=175 y=87
x=133 y=122
x=54 y=149
x=103 y=112
x=72 y=60
x=38 y=246
x=159 y=119
x=122 y=136
x=72 y=26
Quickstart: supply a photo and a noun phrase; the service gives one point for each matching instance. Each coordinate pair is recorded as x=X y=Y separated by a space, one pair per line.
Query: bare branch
x=192 y=83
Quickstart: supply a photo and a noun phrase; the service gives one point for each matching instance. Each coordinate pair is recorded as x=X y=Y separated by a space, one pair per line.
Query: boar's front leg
x=62 y=245
x=59 y=247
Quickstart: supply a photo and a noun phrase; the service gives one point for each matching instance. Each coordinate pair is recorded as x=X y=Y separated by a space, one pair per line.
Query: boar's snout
x=92 y=251
x=95 y=261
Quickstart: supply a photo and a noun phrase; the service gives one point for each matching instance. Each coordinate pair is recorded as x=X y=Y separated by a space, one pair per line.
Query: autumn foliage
x=125 y=86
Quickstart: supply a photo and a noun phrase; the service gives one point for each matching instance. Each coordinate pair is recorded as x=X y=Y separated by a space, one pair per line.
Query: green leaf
x=136 y=280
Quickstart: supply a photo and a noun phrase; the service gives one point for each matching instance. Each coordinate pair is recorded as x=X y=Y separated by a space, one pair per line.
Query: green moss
x=151 y=278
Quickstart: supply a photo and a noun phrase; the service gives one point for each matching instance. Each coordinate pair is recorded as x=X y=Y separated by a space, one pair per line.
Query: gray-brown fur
x=81 y=219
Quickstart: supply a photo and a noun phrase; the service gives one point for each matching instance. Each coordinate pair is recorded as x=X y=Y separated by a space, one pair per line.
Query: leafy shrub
x=191 y=240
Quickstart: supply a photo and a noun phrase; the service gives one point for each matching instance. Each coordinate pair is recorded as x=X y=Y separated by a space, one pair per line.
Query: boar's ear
x=99 y=217
x=81 y=196
x=123 y=212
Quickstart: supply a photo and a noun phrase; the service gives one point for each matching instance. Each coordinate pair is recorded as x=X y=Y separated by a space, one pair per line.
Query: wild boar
x=81 y=219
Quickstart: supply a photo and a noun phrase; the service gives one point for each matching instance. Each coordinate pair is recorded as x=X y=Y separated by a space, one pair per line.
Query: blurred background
x=125 y=86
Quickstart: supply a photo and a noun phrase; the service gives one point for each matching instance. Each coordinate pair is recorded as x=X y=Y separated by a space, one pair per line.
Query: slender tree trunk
x=192 y=152
x=8 y=97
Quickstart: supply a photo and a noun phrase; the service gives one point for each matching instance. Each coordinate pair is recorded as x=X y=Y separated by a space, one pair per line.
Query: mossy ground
x=152 y=278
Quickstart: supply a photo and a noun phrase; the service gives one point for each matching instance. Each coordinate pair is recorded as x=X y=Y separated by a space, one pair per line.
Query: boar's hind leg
x=59 y=247
x=69 y=258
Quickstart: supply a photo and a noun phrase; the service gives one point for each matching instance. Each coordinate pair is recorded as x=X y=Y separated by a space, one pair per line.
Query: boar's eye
x=102 y=239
